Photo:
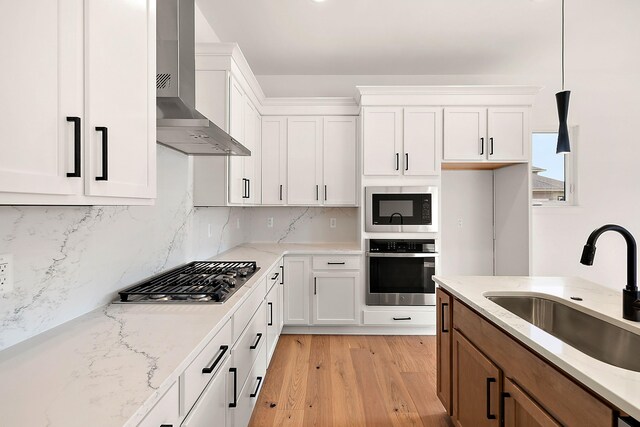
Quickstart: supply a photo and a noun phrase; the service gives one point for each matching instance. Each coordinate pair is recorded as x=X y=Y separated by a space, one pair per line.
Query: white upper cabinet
x=236 y=110
x=422 y=140
x=465 y=133
x=480 y=133
x=77 y=66
x=304 y=160
x=339 y=161
x=274 y=160
x=402 y=141
x=120 y=98
x=382 y=137
x=508 y=129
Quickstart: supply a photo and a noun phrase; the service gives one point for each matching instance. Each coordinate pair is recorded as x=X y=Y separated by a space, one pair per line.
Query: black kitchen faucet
x=630 y=294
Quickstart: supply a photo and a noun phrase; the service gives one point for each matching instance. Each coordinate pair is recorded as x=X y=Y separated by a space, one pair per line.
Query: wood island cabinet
x=443 y=345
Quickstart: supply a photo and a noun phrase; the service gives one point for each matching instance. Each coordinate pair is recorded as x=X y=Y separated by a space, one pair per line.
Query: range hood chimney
x=179 y=125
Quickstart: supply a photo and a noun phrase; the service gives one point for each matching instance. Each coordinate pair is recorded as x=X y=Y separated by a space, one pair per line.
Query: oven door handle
x=400 y=255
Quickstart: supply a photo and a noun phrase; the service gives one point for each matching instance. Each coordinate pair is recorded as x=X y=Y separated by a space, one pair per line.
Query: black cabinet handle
x=402 y=318
x=442 y=328
x=275 y=276
x=253 y=347
x=491 y=146
x=406 y=161
x=234 y=371
x=397 y=161
x=166 y=425
x=490 y=416
x=336 y=263
x=105 y=153
x=76 y=147
x=280 y=192
x=248 y=188
x=282 y=275
x=244 y=188
x=270 y=304
x=255 y=392
x=315 y=286
x=325 y=193
x=481 y=146
x=317 y=192
x=222 y=351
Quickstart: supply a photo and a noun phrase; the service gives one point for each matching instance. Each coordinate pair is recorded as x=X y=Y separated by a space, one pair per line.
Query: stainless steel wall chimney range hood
x=179 y=125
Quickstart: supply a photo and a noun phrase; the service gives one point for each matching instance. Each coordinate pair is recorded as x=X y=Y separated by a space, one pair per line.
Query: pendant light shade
x=562 y=101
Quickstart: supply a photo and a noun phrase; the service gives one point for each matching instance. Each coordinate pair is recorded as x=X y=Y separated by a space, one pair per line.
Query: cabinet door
x=522 y=411
x=422 y=141
x=274 y=160
x=41 y=84
x=304 y=160
x=296 y=290
x=335 y=298
x=339 y=161
x=273 y=319
x=508 y=133
x=465 y=133
x=382 y=140
x=120 y=98
x=211 y=407
x=475 y=386
x=236 y=110
x=443 y=344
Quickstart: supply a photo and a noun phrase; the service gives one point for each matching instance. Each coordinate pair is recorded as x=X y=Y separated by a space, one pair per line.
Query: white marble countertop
x=619 y=386
x=110 y=366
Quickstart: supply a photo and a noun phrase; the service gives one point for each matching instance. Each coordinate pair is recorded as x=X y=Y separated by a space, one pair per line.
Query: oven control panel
x=404 y=245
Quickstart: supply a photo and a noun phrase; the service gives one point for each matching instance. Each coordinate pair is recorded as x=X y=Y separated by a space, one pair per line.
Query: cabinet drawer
x=249 y=344
x=166 y=411
x=273 y=277
x=336 y=262
x=194 y=380
x=211 y=407
x=425 y=317
x=542 y=381
x=247 y=398
x=242 y=316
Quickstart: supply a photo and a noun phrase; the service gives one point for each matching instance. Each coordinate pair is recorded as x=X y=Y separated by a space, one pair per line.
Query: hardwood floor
x=347 y=380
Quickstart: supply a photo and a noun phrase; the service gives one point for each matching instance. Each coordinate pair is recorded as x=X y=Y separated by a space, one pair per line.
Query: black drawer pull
x=442 y=328
x=336 y=263
x=317 y=192
x=490 y=416
x=491 y=146
x=280 y=192
x=282 y=275
x=255 y=393
x=397 y=161
x=234 y=371
x=222 y=351
x=482 y=146
x=166 y=425
x=402 y=318
x=325 y=193
x=76 y=147
x=270 y=304
x=406 y=161
x=253 y=347
x=275 y=276
x=105 y=153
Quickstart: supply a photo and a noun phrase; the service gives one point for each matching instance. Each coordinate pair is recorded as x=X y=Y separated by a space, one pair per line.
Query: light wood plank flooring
x=347 y=380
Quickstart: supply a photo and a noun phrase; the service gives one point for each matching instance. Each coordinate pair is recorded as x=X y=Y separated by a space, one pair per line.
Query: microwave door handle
x=400 y=255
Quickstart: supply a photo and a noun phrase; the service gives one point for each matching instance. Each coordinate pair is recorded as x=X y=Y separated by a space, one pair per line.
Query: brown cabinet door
x=476 y=384
x=522 y=411
x=443 y=340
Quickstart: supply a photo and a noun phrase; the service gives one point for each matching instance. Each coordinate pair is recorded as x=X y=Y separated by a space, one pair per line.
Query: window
x=551 y=174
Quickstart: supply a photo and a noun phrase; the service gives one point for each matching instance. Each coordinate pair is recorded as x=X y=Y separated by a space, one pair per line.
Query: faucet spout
x=630 y=294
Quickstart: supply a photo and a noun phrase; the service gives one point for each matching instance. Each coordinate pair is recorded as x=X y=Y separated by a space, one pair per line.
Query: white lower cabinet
x=335 y=298
x=274 y=314
x=211 y=407
x=166 y=411
x=245 y=400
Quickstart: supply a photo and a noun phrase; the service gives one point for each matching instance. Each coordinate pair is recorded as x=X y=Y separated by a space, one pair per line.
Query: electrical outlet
x=270 y=222
x=6 y=273
x=332 y=223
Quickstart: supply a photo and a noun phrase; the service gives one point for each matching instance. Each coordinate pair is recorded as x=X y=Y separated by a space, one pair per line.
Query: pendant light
x=562 y=102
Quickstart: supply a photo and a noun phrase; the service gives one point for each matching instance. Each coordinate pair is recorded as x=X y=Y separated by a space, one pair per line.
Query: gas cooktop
x=196 y=282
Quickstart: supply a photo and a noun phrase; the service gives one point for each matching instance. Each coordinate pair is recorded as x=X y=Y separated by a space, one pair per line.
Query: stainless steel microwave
x=401 y=209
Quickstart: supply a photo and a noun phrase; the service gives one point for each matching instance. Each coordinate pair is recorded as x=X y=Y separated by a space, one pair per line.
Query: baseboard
x=358 y=330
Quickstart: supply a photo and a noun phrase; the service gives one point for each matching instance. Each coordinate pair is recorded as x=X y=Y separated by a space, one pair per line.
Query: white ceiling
x=281 y=37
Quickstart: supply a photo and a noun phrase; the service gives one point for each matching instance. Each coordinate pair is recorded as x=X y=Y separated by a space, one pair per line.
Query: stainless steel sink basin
x=597 y=338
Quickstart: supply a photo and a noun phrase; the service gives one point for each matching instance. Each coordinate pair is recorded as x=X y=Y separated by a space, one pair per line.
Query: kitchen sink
x=592 y=336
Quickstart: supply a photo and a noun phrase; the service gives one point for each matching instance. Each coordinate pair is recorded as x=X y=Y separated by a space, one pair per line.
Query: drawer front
x=242 y=316
x=247 y=398
x=401 y=318
x=336 y=262
x=211 y=407
x=250 y=343
x=194 y=380
x=273 y=277
x=166 y=411
x=543 y=382
x=273 y=311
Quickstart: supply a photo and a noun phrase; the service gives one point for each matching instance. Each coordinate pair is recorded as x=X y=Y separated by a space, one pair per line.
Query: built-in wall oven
x=400 y=272
x=401 y=209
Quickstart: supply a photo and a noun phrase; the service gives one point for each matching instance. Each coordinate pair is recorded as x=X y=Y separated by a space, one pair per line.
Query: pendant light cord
x=563 y=45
